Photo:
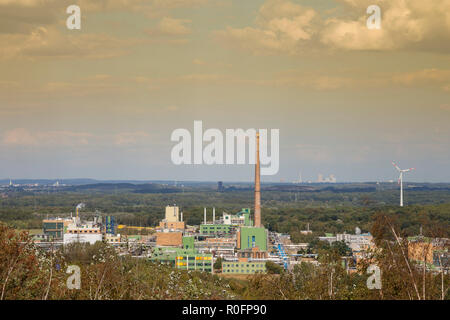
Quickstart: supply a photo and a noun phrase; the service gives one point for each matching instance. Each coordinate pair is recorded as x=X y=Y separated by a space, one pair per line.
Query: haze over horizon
x=103 y=101
x=268 y=181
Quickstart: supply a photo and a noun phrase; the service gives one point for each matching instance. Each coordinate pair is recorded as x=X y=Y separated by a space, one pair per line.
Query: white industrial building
x=87 y=232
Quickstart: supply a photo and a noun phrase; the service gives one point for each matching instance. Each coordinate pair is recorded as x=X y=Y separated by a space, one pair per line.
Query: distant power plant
x=330 y=179
x=320 y=179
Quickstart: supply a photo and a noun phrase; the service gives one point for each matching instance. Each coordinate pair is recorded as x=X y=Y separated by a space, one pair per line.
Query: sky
x=102 y=102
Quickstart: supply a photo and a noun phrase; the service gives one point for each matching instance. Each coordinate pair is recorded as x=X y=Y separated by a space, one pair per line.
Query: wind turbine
x=400 y=180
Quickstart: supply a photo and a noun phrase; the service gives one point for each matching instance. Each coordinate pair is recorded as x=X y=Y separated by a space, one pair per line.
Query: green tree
x=273 y=268
x=218 y=264
x=341 y=248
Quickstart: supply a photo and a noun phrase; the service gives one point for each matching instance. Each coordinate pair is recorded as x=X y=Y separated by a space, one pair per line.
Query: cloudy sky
x=102 y=102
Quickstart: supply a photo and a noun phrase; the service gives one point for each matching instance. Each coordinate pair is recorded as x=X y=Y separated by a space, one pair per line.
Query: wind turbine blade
x=396 y=167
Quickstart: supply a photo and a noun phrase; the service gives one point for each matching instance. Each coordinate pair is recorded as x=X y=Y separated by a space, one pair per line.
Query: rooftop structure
x=172 y=214
x=241 y=218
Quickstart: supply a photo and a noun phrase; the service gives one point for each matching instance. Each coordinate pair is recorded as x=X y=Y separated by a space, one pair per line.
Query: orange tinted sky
x=102 y=102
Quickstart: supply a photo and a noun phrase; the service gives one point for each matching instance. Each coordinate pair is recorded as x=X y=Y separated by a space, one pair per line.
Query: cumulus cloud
x=104 y=5
x=171 y=27
x=405 y=24
x=32 y=28
x=23 y=16
x=283 y=26
x=48 y=42
x=150 y=7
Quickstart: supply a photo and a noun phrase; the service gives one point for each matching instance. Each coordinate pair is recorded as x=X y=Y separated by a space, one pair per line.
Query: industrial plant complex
x=239 y=240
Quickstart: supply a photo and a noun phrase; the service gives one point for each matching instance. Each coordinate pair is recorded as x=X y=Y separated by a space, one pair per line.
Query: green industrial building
x=245 y=212
x=183 y=259
x=242 y=218
x=212 y=229
x=188 y=242
x=54 y=229
x=243 y=267
x=250 y=237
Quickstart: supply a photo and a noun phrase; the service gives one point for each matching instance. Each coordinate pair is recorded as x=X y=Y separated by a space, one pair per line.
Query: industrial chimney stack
x=257 y=186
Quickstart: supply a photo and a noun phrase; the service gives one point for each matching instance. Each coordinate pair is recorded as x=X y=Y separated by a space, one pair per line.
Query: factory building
x=90 y=235
x=172 y=214
x=89 y=232
x=169 y=238
x=183 y=259
x=112 y=238
x=69 y=230
x=192 y=260
x=243 y=267
x=188 y=242
x=356 y=242
x=110 y=225
x=253 y=253
x=329 y=237
x=213 y=229
x=242 y=218
x=173 y=225
x=171 y=228
x=222 y=247
x=251 y=237
x=54 y=228
x=422 y=248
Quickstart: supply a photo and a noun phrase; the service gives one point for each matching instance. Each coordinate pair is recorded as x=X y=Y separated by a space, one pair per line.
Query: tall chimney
x=204 y=215
x=214 y=215
x=257 y=186
x=181 y=216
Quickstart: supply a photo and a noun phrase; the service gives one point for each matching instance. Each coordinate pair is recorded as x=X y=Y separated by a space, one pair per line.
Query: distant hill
x=124 y=187
x=50 y=181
